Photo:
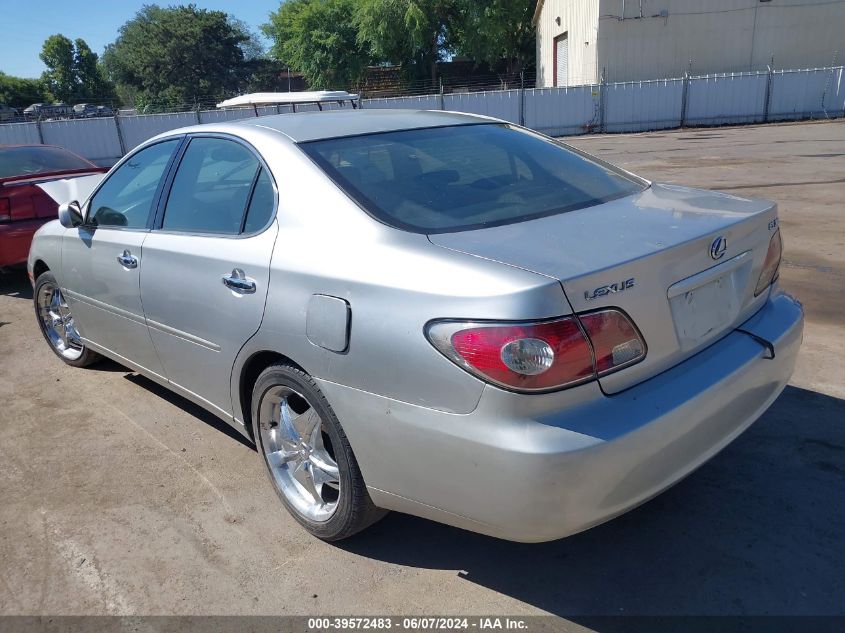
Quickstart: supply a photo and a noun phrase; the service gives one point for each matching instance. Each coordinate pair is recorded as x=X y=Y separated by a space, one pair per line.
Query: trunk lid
x=650 y=255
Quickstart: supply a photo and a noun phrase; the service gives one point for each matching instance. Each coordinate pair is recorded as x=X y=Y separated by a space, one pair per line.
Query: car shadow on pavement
x=14 y=283
x=186 y=405
x=758 y=530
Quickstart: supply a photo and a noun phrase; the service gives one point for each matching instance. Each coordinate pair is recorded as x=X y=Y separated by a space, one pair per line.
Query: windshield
x=447 y=179
x=25 y=161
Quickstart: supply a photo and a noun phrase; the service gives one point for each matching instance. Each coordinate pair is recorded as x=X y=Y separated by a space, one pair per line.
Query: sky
x=25 y=24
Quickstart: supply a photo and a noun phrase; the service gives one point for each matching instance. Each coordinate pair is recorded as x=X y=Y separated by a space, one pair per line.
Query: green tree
x=252 y=47
x=60 y=78
x=264 y=75
x=414 y=33
x=19 y=92
x=319 y=39
x=73 y=71
x=177 y=55
x=92 y=84
x=497 y=30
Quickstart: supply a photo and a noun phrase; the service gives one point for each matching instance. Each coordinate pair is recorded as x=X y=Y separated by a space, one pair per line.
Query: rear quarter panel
x=394 y=283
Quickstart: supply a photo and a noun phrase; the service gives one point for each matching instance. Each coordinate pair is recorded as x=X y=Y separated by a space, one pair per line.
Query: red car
x=23 y=206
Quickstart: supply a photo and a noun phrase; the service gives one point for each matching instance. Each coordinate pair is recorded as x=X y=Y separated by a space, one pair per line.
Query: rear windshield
x=24 y=161
x=458 y=178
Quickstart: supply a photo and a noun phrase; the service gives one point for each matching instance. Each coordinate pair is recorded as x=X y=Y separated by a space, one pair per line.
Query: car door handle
x=239 y=282
x=127 y=260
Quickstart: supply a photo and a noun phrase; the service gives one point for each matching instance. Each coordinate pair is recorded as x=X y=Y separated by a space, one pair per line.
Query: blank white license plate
x=708 y=310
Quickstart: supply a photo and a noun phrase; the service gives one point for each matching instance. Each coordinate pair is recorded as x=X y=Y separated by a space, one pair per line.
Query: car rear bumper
x=15 y=240
x=514 y=470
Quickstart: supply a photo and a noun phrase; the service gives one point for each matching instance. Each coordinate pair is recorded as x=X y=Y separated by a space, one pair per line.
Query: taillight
x=616 y=342
x=5 y=210
x=542 y=356
x=771 y=266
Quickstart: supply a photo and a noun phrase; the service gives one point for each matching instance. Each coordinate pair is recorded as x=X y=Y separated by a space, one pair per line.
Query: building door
x=562 y=60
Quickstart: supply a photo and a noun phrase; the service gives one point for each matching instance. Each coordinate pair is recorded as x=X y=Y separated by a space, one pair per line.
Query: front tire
x=57 y=325
x=308 y=457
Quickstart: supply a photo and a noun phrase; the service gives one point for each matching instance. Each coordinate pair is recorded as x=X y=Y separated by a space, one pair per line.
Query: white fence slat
x=231 y=114
x=563 y=111
x=643 y=105
x=421 y=102
x=95 y=139
x=727 y=99
x=500 y=104
x=804 y=94
x=139 y=128
x=19 y=134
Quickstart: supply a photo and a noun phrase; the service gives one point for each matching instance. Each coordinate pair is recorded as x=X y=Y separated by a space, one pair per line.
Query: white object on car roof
x=289 y=98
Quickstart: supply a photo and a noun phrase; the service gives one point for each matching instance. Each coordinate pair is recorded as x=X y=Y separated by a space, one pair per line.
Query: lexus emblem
x=718 y=248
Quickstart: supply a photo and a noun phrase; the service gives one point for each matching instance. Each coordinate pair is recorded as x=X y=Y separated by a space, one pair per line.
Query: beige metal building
x=630 y=40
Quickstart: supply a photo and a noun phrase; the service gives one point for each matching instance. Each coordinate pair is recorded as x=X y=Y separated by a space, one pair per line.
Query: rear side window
x=212 y=188
x=465 y=177
x=126 y=198
x=261 y=206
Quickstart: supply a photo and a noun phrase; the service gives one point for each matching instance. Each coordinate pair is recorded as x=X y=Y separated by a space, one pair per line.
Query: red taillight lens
x=616 y=342
x=772 y=264
x=541 y=356
x=527 y=357
x=5 y=210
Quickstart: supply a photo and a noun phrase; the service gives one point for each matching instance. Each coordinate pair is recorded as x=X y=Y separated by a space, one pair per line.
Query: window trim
x=162 y=202
x=373 y=211
x=156 y=196
x=252 y=189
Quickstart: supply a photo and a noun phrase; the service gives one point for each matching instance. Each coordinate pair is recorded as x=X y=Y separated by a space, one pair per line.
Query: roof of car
x=313 y=126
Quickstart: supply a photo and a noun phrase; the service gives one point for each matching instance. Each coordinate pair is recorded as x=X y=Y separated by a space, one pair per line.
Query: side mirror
x=70 y=215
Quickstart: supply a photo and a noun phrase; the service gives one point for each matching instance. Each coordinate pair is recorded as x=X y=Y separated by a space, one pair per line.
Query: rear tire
x=56 y=323
x=308 y=457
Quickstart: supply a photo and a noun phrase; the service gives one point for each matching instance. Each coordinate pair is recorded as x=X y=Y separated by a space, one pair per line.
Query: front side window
x=459 y=178
x=212 y=188
x=126 y=198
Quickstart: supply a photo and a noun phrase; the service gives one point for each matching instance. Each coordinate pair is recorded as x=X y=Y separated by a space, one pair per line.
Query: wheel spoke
x=72 y=335
x=56 y=300
x=286 y=418
x=324 y=469
x=278 y=441
x=316 y=438
x=304 y=475
x=306 y=424
x=278 y=458
x=59 y=327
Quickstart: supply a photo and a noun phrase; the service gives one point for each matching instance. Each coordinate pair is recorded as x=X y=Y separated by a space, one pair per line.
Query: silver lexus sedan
x=435 y=313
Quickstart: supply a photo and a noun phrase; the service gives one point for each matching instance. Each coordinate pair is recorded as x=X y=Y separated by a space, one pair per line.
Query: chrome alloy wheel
x=57 y=322
x=299 y=453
